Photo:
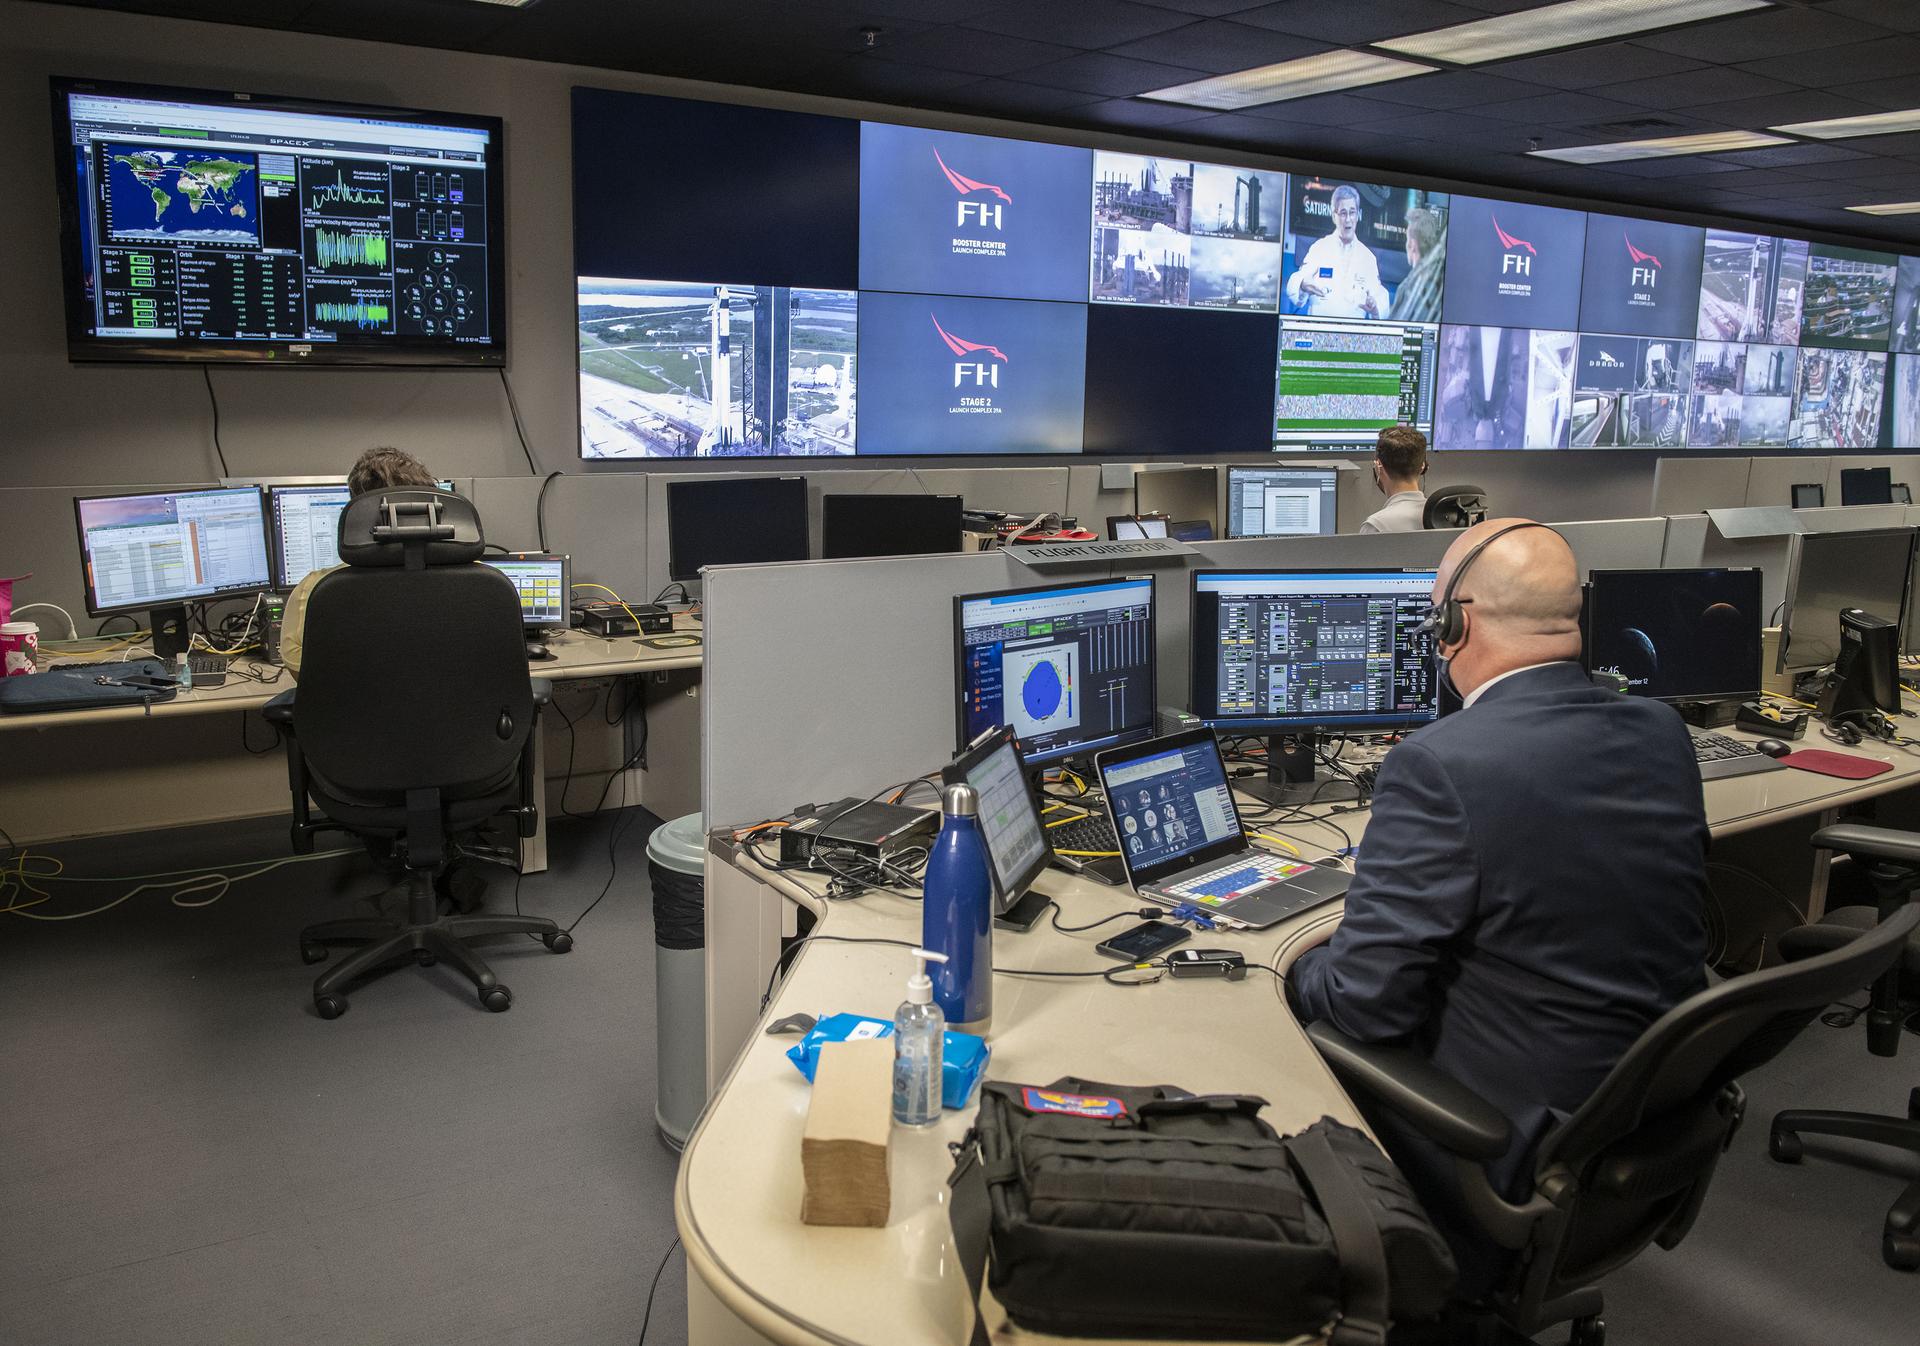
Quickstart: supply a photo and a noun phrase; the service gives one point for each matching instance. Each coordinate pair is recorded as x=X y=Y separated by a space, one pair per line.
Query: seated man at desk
x=1528 y=896
x=376 y=470
x=1399 y=462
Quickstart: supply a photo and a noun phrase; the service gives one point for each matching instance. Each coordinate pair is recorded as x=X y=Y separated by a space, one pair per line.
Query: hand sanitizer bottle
x=918 y=1031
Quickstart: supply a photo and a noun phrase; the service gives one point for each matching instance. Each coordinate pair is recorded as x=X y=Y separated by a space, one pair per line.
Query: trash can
x=676 y=867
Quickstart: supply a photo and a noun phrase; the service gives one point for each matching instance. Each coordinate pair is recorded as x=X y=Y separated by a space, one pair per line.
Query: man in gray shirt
x=1399 y=461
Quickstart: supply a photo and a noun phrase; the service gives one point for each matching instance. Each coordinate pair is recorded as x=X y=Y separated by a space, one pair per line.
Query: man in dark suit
x=1529 y=892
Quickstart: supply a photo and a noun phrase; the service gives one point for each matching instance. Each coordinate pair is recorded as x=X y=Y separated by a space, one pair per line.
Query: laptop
x=1181 y=839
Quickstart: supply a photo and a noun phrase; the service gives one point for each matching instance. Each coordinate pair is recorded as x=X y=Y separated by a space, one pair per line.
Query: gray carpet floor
x=189 y=1155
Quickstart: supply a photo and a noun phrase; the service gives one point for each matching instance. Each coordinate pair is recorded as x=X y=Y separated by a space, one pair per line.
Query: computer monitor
x=1290 y=653
x=544 y=582
x=737 y=521
x=1830 y=572
x=888 y=525
x=1010 y=821
x=1281 y=501
x=1866 y=486
x=1676 y=635
x=160 y=551
x=1340 y=381
x=1069 y=667
x=1191 y=530
x=1902 y=493
x=1136 y=527
x=1809 y=495
x=306 y=530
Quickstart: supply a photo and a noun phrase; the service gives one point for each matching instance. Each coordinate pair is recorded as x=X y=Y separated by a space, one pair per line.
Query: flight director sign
x=1642 y=277
x=946 y=375
x=1513 y=265
x=945 y=213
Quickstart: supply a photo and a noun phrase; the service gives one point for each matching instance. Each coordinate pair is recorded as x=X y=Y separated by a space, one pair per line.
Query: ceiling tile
x=853 y=75
x=1886 y=56
x=1139 y=112
x=1855 y=165
x=1211 y=9
x=1012 y=96
x=1803 y=105
x=1088 y=24
x=1713 y=84
x=1562 y=108
x=1115 y=76
x=1789 y=156
x=1687 y=167
x=1591 y=67
x=1901 y=91
x=970 y=50
x=1886 y=13
x=1219 y=47
x=1352 y=24
x=1453 y=89
x=1905 y=145
x=1757 y=35
x=1327 y=109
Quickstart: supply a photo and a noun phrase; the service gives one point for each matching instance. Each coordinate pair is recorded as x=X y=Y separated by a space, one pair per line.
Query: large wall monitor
x=980 y=295
x=198 y=225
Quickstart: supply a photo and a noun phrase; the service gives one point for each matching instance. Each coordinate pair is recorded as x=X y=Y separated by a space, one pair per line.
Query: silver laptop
x=1181 y=838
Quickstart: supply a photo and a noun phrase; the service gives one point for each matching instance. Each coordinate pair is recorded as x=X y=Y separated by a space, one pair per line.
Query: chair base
x=1900 y=1236
x=425 y=942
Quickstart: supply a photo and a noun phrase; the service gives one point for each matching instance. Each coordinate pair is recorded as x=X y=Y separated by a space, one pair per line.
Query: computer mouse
x=539 y=654
x=1773 y=747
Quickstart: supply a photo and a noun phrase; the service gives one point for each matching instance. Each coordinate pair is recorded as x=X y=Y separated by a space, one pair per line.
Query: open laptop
x=1181 y=838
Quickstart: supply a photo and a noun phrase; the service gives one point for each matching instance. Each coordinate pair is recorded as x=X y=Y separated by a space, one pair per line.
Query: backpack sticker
x=1074 y=1105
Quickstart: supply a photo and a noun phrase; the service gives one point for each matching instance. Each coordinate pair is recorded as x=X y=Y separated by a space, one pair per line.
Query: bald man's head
x=1523 y=600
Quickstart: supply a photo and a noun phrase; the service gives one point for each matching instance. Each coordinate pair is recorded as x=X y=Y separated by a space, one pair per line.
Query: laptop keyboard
x=1257 y=872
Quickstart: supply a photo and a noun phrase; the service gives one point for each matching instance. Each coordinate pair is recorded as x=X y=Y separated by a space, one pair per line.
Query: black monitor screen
x=1867 y=570
x=209 y=226
x=171 y=547
x=888 y=525
x=743 y=521
x=1302 y=649
x=1866 y=486
x=1280 y=501
x=1069 y=668
x=1676 y=634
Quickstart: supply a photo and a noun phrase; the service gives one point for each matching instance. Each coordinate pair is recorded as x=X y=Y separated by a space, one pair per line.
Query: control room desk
x=756 y=1274
x=206 y=755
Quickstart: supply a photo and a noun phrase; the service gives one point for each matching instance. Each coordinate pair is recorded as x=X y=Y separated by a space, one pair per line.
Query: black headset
x=1446 y=621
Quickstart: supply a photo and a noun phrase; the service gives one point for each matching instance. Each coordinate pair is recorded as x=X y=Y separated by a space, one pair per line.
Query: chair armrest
x=1878 y=843
x=1414 y=1089
x=279 y=711
x=542 y=692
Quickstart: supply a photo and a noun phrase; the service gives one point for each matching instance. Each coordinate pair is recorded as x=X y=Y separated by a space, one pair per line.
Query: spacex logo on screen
x=977 y=367
x=977 y=215
x=1513 y=262
x=1645 y=274
x=1608 y=360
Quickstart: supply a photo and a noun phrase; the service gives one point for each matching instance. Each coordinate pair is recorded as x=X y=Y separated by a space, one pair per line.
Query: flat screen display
x=1751 y=286
x=1676 y=634
x=1838 y=398
x=1363 y=250
x=306 y=530
x=1906 y=307
x=1832 y=571
x=888 y=525
x=1178 y=234
x=738 y=521
x=205 y=226
x=1641 y=277
x=1630 y=392
x=1505 y=388
x=1340 y=381
x=171 y=547
x=541 y=582
x=1510 y=264
x=1849 y=298
x=1281 y=501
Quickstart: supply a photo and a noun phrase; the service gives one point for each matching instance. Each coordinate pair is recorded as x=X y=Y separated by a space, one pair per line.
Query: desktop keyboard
x=1720 y=757
x=1091 y=833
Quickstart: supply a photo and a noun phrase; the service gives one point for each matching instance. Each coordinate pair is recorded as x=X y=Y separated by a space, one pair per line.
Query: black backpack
x=1151 y=1212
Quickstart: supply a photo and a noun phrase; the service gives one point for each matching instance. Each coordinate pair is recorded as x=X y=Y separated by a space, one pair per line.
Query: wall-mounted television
x=212 y=226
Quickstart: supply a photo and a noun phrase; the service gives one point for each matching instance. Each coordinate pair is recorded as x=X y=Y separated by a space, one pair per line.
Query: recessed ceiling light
x=1868 y=124
x=1889 y=208
x=1564 y=25
x=513 y=4
x=1301 y=78
x=1662 y=147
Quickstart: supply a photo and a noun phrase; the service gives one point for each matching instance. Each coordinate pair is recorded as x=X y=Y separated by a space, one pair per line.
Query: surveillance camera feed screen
x=1676 y=634
x=829 y=287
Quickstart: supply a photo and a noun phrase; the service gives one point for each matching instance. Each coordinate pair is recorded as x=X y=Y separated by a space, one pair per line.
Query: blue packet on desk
x=963 y=1056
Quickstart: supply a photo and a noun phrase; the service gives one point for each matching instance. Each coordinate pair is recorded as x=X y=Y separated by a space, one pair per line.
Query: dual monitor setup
x=1858 y=486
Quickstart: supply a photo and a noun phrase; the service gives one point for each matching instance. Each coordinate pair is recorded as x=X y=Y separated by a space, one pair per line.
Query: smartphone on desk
x=1145 y=941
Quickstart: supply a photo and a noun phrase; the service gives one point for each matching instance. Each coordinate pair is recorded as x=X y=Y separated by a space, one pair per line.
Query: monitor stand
x=1294 y=776
x=171 y=635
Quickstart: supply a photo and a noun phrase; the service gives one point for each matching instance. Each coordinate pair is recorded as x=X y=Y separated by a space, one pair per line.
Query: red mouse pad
x=1842 y=764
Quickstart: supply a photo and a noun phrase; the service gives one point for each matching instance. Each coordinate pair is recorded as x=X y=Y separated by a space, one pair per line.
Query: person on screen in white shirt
x=1399 y=461
x=1339 y=277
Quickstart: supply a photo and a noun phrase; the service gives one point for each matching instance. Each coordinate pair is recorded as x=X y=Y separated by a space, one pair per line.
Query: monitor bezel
x=1795 y=554
x=1235 y=725
x=1759 y=617
x=1233 y=533
x=411 y=352
x=1058 y=754
x=675 y=570
x=88 y=594
x=1001 y=738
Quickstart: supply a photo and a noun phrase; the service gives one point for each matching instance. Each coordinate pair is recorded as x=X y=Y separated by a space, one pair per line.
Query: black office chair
x=1631 y=1166
x=1455 y=507
x=413 y=721
x=1892 y=862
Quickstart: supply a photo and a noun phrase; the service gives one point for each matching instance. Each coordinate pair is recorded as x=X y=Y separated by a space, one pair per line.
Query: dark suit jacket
x=1529 y=897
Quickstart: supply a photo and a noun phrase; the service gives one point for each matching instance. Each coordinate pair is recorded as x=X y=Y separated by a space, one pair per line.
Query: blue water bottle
x=957 y=919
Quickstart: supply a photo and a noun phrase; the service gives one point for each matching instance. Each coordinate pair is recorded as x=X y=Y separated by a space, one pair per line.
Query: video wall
x=755 y=283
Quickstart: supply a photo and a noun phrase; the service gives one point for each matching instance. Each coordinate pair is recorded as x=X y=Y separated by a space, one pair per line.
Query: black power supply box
x=863 y=827
x=623 y=619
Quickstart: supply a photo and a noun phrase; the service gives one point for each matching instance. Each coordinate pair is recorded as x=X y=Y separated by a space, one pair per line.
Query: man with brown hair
x=376 y=470
x=1399 y=461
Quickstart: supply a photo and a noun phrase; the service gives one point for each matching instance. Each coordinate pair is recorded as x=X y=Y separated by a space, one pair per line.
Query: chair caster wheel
x=313 y=953
x=1900 y=1251
x=1588 y=1332
x=496 y=999
x=559 y=941
x=422 y=958
x=1784 y=1146
x=330 y=1006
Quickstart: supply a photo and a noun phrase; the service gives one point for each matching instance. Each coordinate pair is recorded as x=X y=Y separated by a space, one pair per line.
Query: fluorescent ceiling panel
x=1662 y=147
x=1570 y=24
x=1868 y=124
x=1889 y=208
x=1301 y=78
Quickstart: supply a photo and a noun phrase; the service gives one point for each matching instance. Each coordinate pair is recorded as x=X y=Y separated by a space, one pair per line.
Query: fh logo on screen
x=976 y=368
x=1512 y=262
x=1646 y=273
x=974 y=213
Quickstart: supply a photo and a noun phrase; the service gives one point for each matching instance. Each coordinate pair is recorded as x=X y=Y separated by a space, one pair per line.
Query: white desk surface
x=737 y=1201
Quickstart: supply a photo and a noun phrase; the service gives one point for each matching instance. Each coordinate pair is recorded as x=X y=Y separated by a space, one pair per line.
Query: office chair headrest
x=1455 y=507
x=380 y=528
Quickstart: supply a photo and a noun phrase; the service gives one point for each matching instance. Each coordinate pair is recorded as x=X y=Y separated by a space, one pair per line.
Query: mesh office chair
x=1631 y=1166
x=413 y=721
x=1892 y=862
x=1455 y=507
